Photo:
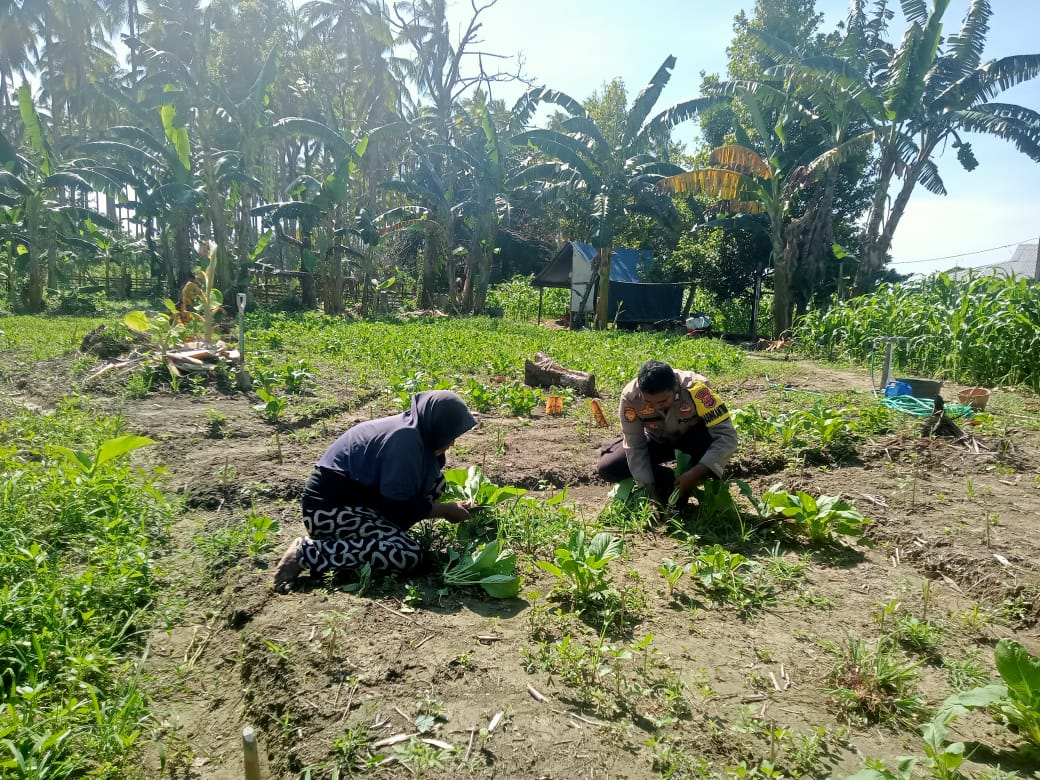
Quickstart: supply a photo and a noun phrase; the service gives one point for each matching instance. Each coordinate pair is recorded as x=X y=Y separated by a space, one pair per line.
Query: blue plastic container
x=895 y=387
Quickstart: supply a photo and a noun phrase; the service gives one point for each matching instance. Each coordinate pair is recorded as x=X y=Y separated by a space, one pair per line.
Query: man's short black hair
x=655 y=377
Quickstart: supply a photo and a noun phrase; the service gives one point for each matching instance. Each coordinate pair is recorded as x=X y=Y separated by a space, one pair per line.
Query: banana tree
x=158 y=170
x=485 y=174
x=39 y=222
x=315 y=220
x=226 y=135
x=614 y=178
x=934 y=89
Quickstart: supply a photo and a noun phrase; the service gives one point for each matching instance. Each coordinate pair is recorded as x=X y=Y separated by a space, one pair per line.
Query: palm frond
x=988 y=81
x=545 y=171
x=564 y=148
x=9 y=181
x=296 y=126
x=583 y=125
x=741 y=159
x=965 y=47
x=72 y=181
x=646 y=99
x=528 y=103
x=916 y=11
x=743 y=221
x=1020 y=126
x=128 y=152
x=842 y=153
x=906 y=74
x=740 y=207
x=678 y=113
x=774 y=47
x=721 y=183
x=929 y=178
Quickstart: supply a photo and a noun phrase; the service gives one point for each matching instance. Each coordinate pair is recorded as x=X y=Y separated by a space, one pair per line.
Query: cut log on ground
x=546 y=372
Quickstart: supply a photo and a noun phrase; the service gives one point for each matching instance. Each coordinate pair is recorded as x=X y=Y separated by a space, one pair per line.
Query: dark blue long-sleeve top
x=399 y=458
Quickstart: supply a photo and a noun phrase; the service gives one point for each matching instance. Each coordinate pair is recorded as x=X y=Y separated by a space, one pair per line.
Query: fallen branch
x=535 y=694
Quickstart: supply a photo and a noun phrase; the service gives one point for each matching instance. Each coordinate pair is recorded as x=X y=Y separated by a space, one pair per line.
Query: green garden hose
x=922 y=407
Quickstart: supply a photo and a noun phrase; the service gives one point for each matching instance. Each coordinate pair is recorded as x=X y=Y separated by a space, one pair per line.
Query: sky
x=577 y=46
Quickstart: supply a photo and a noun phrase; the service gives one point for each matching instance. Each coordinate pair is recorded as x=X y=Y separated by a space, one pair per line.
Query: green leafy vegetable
x=490 y=566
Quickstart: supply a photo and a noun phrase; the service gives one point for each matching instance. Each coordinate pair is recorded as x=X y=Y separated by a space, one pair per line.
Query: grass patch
x=76 y=554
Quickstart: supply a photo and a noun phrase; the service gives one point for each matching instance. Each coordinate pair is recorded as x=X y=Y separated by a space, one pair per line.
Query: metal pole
x=240 y=299
x=250 y=755
x=886 y=370
x=243 y=381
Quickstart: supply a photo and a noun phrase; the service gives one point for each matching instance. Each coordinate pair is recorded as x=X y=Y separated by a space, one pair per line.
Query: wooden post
x=250 y=755
x=541 y=294
x=243 y=381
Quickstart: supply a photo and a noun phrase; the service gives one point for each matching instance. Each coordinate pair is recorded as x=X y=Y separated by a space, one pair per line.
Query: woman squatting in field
x=374 y=483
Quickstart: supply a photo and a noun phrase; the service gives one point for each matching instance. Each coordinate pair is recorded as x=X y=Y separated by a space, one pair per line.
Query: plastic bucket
x=896 y=387
x=922 y=388
x=975 y=397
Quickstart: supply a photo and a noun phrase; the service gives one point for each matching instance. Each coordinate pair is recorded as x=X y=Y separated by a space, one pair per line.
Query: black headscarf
x=440 y=416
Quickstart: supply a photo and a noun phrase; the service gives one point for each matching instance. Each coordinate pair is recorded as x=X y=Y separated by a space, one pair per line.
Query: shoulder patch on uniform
x=716 y=415
x=646 y=410
x=630 y=414
x=706 y=398
x=709 y=406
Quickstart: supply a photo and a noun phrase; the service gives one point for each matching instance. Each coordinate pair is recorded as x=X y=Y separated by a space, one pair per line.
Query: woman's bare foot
x=289 y=567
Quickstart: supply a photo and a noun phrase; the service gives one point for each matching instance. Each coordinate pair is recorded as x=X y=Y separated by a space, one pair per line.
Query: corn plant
x=983 y=330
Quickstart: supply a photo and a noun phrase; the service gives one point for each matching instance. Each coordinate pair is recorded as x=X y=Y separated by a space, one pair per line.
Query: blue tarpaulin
x=631 y=301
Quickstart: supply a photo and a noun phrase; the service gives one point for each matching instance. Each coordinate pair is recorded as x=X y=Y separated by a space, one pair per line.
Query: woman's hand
x=455 y=512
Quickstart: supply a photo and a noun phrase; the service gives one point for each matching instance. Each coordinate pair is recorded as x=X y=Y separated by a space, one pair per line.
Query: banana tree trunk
x=603 y=291
x=35 y=300
x=429 y=268
x=808 y=242
x=332 y=284
x=872 y=249
x=783 y=300
x=478 y=268
x=183 y=255
x=225 y=273
x=36 y=284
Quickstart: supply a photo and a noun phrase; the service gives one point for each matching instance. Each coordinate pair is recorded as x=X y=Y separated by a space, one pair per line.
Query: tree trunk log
x=546 y=372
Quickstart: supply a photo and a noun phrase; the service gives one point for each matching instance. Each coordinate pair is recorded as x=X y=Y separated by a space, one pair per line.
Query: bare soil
x=233 y=653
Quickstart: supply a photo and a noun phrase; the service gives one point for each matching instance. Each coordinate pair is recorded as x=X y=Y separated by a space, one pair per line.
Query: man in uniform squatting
x=663 y=410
